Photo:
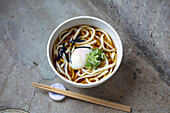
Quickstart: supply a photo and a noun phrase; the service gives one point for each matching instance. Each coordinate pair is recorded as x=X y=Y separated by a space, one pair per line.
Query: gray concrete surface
x=147 y=24
x=25 y=27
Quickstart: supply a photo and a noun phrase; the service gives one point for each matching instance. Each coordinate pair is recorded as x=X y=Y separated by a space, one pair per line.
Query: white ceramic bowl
x=89 y=21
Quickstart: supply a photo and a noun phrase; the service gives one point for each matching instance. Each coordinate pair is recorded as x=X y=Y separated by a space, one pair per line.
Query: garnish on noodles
x=84 y=54
x=94 y=58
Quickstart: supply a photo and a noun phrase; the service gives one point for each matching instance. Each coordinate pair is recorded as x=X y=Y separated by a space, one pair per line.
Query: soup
x=84 y=54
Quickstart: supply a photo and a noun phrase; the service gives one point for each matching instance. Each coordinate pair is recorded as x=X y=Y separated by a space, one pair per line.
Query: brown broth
x=72 y=72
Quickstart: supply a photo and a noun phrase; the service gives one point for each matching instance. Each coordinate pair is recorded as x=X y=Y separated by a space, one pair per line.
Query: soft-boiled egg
x=78 y=58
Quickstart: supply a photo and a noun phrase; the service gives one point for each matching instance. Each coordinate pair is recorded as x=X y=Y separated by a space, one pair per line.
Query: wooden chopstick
x=84 y=97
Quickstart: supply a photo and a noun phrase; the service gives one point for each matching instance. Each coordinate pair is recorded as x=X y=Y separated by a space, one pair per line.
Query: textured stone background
x=25 y=27
x=147 y=24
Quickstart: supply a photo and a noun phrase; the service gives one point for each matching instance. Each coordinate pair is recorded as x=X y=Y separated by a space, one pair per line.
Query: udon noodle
x=92 y=37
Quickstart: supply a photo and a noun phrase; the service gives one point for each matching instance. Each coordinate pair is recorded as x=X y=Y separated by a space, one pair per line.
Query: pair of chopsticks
x=83 y=97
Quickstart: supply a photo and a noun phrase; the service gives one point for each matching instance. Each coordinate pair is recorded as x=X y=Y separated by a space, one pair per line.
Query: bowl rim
x=74 y=83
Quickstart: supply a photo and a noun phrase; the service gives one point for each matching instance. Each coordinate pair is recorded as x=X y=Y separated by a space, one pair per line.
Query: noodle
x=83 y=36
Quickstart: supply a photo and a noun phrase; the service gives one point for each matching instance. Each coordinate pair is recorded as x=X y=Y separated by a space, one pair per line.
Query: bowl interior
x=88 y=21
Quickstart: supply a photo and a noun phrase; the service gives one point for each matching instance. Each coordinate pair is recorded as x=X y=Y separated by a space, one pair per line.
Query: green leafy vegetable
x=94 y=58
